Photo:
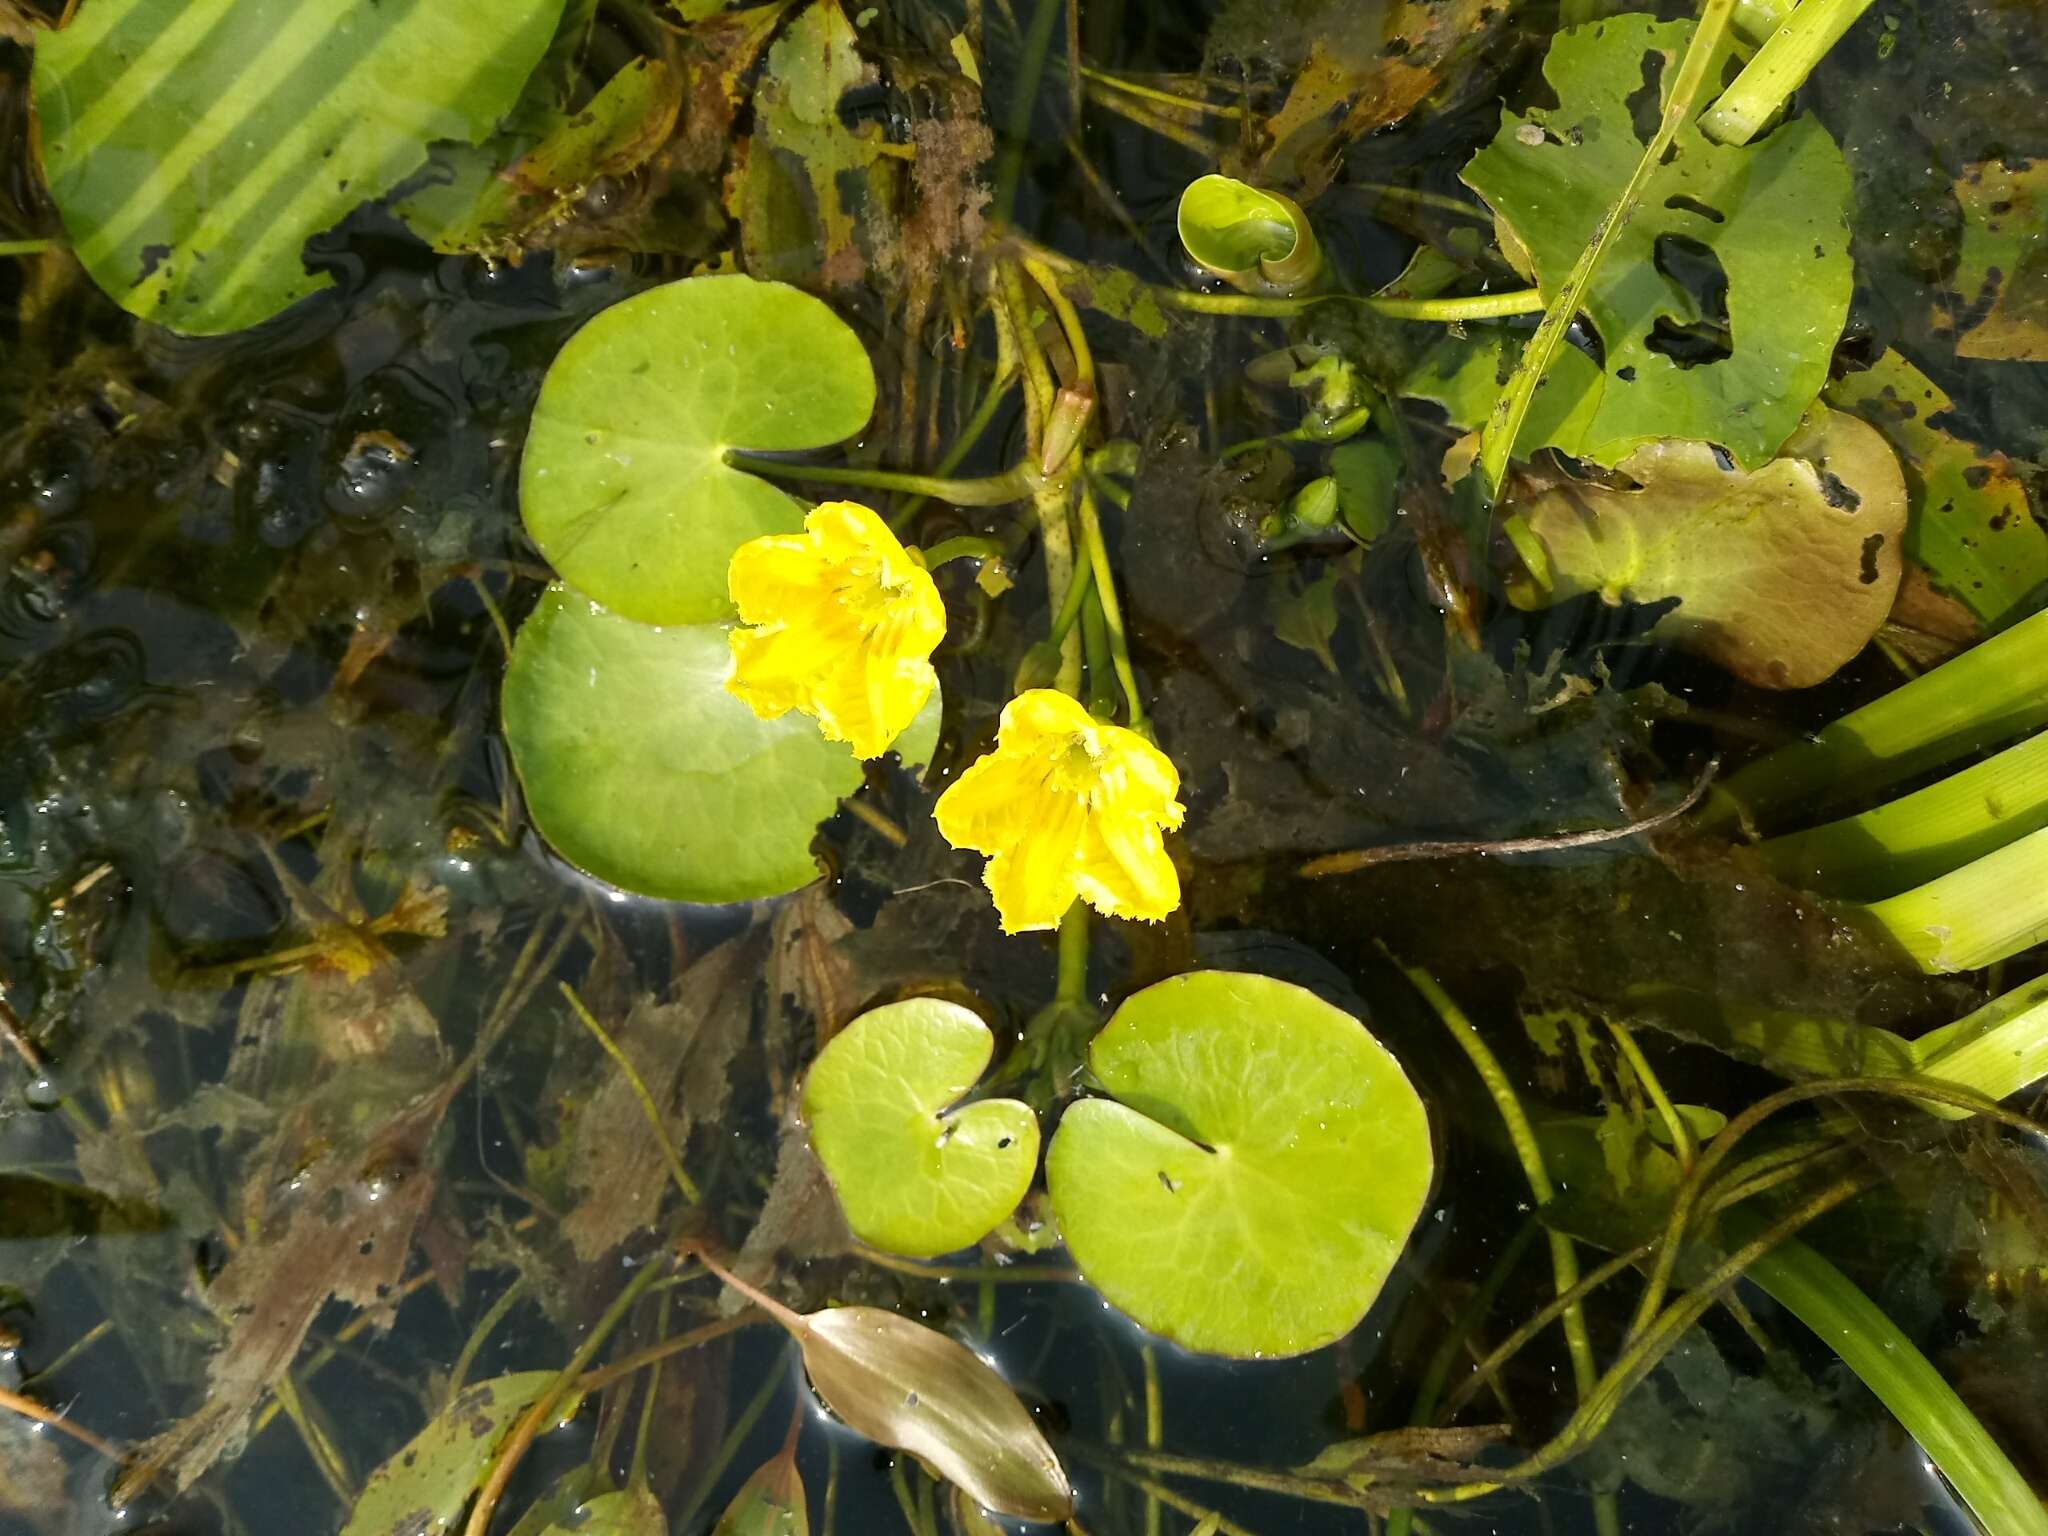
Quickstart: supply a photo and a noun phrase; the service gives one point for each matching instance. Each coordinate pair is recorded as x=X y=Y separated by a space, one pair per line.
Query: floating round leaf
x=1250 y=1186
x=192 y=149
x=912 y=1177
x=625 y=485
x=642 y=770
x=1247 y=236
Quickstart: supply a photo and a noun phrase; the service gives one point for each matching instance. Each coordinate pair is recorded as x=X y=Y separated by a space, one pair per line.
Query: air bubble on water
x=43 y=1092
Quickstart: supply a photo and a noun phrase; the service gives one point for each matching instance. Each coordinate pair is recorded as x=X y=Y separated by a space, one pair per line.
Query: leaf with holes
x=913 y=1176
x=2002 y=273
x=1249 y=1187
x=1971 y=527
x=424 y=1485
x=1782 y=574
x=625 y=486
x=193 y=149
x=639 y=768
x=1720 y=303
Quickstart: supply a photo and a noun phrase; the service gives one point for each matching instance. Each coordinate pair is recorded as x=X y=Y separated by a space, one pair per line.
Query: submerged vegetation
x=1192 y=766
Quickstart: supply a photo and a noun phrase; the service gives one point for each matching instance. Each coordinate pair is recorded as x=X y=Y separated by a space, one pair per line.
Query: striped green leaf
x=192 y=148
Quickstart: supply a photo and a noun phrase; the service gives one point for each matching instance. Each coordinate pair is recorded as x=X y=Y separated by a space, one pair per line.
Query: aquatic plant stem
x=647 y=1104
x=1682 y=1145
x=1072 y=986
x=1112 y=610
x=29 y=1408
x=1164 y=98
x=1478 y=306
x=1017 y=130
x=486 y=1326
x=707 y=1480
x=1504 y=421
x=528 y=1429
x=981 y=491
x=29 y=247
x=1564 y=1259
x=977 y=423
x=1779 y=68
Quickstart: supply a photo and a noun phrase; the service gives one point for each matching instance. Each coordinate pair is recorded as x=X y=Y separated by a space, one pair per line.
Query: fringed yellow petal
x=1067 y=804
x=844 y=623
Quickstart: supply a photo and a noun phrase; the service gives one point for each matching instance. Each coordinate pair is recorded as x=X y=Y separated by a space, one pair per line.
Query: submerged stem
x=981 y=491
x=647 y=1104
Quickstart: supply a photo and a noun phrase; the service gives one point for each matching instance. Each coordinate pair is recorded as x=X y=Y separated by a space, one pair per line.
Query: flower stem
x=1112 y=610
x=984 y=491
x=966 y=546
x=970 y=434
x=29 y=247
x=1780 y=67
x=1073 y=977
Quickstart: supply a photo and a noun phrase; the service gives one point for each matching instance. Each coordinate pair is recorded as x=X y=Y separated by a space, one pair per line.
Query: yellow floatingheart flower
x=844 y=619
x=1067 y=805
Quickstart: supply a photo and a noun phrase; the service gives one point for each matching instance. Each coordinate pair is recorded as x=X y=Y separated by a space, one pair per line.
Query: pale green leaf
x=2002 y=273
x=1771 y=219
x=629 y=1512
x=1782 y=573
x=639 y=768
x=1244 y=234
x=192 y=149
x=624 y=485
x=912 y=1176
x=422 y=1489
x=1251 y=1185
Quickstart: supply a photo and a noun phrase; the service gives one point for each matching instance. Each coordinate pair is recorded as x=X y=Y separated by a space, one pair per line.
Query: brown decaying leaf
x=683 y=1049
x=1406 y=1456
x=716 y=54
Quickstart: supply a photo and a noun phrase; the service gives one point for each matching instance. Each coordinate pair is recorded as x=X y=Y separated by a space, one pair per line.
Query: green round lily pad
x=624 y=484
x=639 y=768
x=1249 y=1187
x=913 y=1176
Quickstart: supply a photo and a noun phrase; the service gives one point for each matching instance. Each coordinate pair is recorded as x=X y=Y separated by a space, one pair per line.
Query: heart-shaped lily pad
x=912 y=1176
x=1250 y=1186
x=624 y=485
x=641 y=769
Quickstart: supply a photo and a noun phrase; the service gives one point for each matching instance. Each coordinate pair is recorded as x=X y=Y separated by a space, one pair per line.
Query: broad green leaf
x=192 y=149
x=624 y=485
x=1782 y=573
x=629 y=1512
x=1768 y=221
x=1970 y=526
x=486 y=204
x=769 y=1503
x=909 y=1386
x=2002 y=274
x=639 y=768
x=912 y=1176
x=1368 y=476
x=1245 y=235
x=1251 y=1184
x=422 y=1488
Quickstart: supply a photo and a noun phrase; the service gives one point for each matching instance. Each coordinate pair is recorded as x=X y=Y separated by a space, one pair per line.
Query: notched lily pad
x=639 y=768
x=1720 y=302
x=1782 y=573
x=624 y=485
x=1251 y=1184
x=913 y=1176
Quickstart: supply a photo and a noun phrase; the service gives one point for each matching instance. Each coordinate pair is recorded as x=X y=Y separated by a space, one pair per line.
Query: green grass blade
x=1984 y=912
x=1991 y=693
x=1871 y=1345
x=1923 y=835
x=1997 y=1050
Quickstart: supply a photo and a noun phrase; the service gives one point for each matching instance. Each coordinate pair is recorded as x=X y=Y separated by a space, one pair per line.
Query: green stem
x=965 y=546
x=1779 y=68
x=984 y=491
x=1987 y=911
x=484 y=1329
x=1070 y=610
x=1871 y=1345
x=1072 y=986
x=1504 y=423
x=1101 y=699
x=1477 y=306
x=771 y=1383
x=29 y=247
x=647 y=1104
x=977 y=423
x=1153 y=93
x=1017 y=132
x=1112 y=610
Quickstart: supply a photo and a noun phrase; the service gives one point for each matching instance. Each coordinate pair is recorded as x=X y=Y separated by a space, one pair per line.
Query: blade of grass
x=1780 y=67
x=1871 y=1345
x=1922 y=835
x=1987 y=911
x=1991 y=693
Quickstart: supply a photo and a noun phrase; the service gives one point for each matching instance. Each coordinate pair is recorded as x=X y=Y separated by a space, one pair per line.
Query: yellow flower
x=1064 y=806
x=845 y=621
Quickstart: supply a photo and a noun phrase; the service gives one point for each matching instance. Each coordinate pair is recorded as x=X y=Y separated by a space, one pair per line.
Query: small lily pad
x=639 y=768
x=1251 y=1185
x=624 y=485
x=912 y=1176
x=1245 y=235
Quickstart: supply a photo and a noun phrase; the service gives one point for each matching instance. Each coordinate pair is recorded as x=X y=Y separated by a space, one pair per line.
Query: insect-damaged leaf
x=1720 y=301
x=423 y=1487
x=2002 y=275
x=906 y=1385
x=1782 y=573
